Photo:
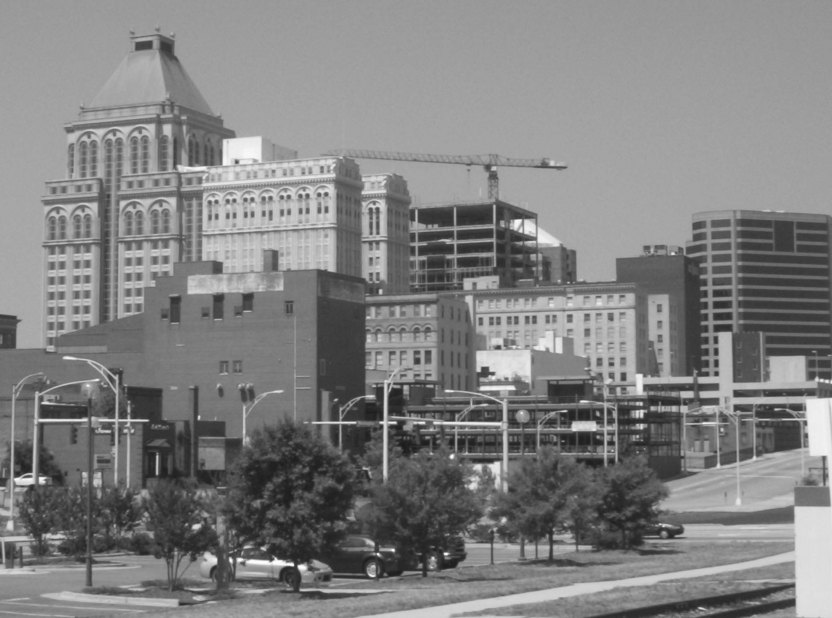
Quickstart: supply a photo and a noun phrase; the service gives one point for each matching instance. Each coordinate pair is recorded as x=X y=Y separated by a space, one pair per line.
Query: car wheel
x=373 y=568
x=290 y=576
x=434 y=561
x=213 y=574
x=664 y=534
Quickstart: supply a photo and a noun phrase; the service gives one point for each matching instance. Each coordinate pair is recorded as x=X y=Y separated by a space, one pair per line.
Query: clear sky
x=660 y=108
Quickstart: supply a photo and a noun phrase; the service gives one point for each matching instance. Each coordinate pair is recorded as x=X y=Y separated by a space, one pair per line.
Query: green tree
x=47 y=466
x=120 y=512
x=37 y=514
x=580 y=509
x=630 y=496
x=541 y=495
x=70 y=519
x=290 y=491
x=426 y=501
x=176 y=517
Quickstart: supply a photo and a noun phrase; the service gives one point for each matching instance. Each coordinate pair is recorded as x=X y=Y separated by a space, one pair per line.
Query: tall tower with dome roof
x=130 y=204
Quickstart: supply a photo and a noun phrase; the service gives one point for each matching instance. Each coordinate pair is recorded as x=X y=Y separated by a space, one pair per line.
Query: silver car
x=257 y=563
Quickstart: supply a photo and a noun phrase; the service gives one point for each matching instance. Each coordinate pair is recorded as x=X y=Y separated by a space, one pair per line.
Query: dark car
x=445 y=558
x=663 y=530
x=357 y=554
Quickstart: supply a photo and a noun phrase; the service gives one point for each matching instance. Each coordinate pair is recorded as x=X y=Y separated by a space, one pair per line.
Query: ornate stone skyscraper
x=129 y=206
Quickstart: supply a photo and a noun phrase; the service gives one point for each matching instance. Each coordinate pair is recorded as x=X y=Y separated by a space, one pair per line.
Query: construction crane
x=489 y=162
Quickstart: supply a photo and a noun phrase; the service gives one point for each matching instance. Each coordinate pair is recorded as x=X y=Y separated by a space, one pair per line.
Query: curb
x=112 y=599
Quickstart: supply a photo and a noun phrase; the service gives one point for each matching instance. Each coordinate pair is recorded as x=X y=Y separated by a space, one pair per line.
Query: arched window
x=145 y=154
x=62 y=228
x=128 y=223
x=193 y=151
x=428 y=333
x=417 y=334
x=93 y=159
x=51 y=228
x=108 y=161
x=119 y=159
x=70 y=161
x=165 y=221
x=82 y=160
x=76 y=226
x=206 y=155
x=139 y=223
x=134 y=155
x=163 y=153
x=88 y=226
x=154 y=222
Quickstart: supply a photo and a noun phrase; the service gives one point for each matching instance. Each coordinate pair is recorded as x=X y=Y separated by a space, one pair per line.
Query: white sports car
x=257 y=563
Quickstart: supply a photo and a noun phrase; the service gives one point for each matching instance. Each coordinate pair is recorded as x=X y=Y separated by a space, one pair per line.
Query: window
x=175 y=309
x=289 y=307
x=217 y=309
x=224 y=367
x=248 y=302
x=238 y=366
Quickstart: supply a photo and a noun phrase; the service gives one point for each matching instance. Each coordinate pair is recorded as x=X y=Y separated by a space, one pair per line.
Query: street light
x=113 y=381
x=247 y=409
x=388 y=386
x=459 y=417
x=606 y=407
x=504 y=425
x=16 y=389
x=802 y=420
x=543 y=420
x=35 y=441
x=342 y=412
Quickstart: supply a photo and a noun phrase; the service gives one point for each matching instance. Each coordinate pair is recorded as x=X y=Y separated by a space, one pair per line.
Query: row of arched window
x=83 y=160
x=133 y=221
x=56 y=226
x=230 y=207
x=400 y=334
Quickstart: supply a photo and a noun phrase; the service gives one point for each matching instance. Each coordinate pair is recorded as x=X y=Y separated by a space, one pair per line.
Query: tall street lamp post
x=248 y=408
x=504 y=426
x=459 y=418
x=16 y=389
x=113 y=380
x=543 y=420
x=387 y=387
x=35 y=431
x=342 y=412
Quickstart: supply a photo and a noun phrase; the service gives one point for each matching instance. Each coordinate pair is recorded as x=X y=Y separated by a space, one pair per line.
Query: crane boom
x=489 y=162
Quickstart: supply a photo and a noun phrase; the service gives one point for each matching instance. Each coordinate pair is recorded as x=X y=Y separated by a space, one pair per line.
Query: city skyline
x=661 y=110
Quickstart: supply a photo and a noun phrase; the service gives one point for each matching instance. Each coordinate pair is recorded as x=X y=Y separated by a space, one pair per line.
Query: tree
x=70 y=509
x=630 y=496
x=583 y=497
x=176 y=517
x=37 y=516
x=542 y=496
x=426 y=501
x=120 y=511
x=47 y=466
x=290 y=491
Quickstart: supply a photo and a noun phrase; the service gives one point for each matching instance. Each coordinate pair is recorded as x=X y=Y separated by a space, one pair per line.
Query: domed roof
x=150 y=73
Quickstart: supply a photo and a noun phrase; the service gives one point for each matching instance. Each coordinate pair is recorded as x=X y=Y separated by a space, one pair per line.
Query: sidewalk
x=551 y=594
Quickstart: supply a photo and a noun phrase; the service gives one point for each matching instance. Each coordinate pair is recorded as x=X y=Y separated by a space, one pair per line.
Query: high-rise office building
x=670 y=280
x=767 y=272
x=127 y=209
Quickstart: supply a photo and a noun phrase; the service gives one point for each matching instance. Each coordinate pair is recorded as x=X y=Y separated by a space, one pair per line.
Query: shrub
x=141 y=543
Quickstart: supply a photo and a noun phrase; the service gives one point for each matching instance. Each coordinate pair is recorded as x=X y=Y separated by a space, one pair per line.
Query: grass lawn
x=467 y=583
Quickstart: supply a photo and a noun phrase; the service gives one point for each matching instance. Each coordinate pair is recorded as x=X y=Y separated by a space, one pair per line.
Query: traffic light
x=73 y=434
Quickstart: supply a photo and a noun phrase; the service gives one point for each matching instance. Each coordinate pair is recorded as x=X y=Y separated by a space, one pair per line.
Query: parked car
x=442 y=558
x=257 y=563
x=357 y=554
x=663 y=530
x=27 y=480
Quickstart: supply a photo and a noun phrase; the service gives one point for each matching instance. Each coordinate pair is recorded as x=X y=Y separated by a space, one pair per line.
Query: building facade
x=606 y=321
x=452 y=242
x=385 y=238
x=125 y=211
x=671 y=281
x=307 y=210
x=768 y=272
x=426 y=337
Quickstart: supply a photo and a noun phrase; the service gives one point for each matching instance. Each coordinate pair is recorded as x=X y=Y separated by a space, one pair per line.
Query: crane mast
x=489 y=162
